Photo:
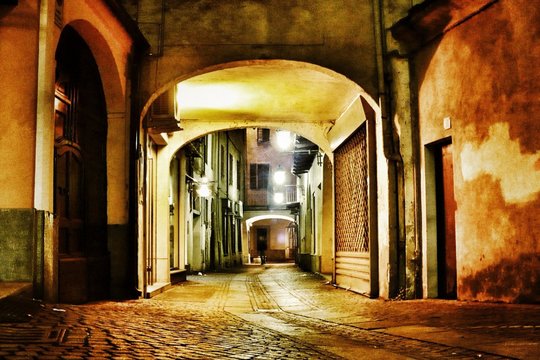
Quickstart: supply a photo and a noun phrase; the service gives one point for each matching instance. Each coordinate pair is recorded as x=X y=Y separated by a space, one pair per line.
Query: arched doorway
x=80 y=174
x=270 y=238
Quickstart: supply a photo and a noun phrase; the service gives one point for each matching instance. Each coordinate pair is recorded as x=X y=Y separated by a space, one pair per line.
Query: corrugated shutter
x=352 y=214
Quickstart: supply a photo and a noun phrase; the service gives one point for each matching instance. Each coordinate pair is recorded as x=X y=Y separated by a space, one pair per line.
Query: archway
x=271 y=238
x=314 y=102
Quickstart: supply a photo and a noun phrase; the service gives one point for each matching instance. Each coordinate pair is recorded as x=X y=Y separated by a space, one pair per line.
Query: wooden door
x=68 y=177
x=69 y=211
x=446 y=228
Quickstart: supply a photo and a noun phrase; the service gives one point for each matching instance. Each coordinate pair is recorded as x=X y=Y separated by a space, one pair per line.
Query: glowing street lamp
x=279 y=176
x=203 y=188
x=284 y=139
x=279 y=198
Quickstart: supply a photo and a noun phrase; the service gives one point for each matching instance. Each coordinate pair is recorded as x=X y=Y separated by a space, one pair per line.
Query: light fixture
x=283 y=139
x=279 y=198
x=279 y=176
x=320 y=158
x=203 y=188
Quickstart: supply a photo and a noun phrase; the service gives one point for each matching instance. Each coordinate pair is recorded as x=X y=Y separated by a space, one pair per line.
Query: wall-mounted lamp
x=279 y=176
x=284 y=139
x=203 y=190
x=279 y=198
x=320 y=157
x=202 y=187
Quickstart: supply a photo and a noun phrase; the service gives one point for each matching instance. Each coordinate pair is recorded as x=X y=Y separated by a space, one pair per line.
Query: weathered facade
x=476 y=92
x=430 y=51
x=65 y=110
x=448 y=178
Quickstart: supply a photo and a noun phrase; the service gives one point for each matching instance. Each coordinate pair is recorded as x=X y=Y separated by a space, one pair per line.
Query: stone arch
x=189 y=135
x=241 y=63
x=319 y=134
x=326 y=129
x=249 y=221
x=106 y=62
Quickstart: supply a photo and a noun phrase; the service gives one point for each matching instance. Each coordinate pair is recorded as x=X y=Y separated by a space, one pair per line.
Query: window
x=263 y=135
x=258 y=176
x=225 y=226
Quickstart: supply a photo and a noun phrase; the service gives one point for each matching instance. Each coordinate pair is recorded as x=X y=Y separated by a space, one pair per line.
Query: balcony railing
x=293 y=193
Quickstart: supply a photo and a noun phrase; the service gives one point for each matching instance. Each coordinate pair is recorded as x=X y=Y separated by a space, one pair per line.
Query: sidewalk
x=510 y=330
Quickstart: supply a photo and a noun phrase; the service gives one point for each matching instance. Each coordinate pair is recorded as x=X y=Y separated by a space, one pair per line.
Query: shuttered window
x=263 y=135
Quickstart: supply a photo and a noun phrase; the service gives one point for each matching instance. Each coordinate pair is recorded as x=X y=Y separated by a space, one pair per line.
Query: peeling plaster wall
x=484 y=76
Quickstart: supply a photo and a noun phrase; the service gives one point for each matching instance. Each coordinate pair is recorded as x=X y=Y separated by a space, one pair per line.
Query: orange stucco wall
x=18 y=76
x=484 y=76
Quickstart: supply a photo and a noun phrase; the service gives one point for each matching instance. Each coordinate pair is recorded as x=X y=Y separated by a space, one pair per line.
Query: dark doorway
x=446 y=229
x=80 y=173
x=262 y=243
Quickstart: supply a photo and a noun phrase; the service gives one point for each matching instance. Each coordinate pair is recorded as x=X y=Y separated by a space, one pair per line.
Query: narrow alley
x=267 y=312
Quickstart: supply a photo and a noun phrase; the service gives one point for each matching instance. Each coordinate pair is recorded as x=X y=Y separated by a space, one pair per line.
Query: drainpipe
x=396 y=271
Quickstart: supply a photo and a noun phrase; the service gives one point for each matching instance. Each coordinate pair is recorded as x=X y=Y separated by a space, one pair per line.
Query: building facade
x=67 y=75
x=428 y=186
x=271 y=193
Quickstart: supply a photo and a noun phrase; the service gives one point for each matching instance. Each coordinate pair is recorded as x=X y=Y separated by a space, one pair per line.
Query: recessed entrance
x=446 y=229
x=80 y=183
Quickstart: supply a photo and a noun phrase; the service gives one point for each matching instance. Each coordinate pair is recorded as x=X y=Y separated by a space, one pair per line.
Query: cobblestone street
x=271 y=312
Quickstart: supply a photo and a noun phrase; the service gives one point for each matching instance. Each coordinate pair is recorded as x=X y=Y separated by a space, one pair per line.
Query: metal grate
x=351 y=169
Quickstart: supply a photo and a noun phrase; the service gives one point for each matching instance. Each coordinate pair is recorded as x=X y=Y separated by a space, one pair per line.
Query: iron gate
x=352 y=222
